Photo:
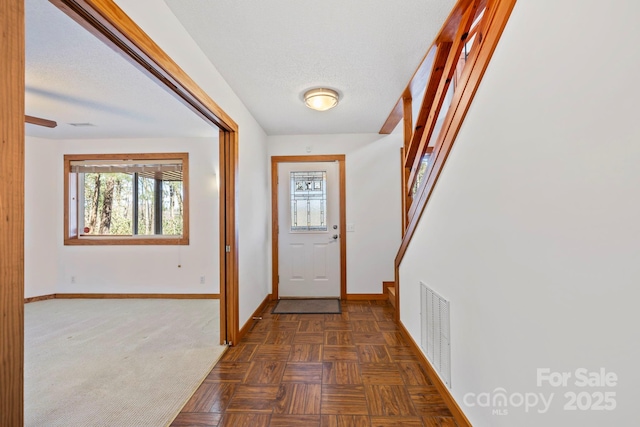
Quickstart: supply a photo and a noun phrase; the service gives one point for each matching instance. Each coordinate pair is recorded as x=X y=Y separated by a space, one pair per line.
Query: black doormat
x=307 y=306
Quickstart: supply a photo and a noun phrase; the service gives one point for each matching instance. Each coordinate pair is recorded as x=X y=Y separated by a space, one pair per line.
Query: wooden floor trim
x=366 y=297
x=257 y=313
x=39 y=298
x=454 y=408
x=120 y=296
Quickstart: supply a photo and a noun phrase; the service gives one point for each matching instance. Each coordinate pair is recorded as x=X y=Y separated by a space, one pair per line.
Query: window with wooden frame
x=126 y=199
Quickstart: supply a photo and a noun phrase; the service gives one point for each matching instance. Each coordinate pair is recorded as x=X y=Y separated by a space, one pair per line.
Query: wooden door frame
x=275 y=161
x=12 y=214
x=105 y=20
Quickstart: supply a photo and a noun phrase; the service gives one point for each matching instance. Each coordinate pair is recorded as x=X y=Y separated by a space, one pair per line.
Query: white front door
x=308 y=229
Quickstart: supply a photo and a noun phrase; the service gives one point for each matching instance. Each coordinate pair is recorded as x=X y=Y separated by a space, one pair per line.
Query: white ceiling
x=269 y=52
x=72 y=77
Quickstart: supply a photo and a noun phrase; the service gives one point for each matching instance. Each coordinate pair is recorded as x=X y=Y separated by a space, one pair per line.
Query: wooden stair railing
x=459 y=55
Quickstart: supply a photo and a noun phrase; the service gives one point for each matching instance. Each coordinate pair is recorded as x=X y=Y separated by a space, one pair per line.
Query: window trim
x=71 y=200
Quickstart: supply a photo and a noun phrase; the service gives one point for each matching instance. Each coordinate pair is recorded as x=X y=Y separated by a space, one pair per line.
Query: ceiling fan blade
x=40 y=122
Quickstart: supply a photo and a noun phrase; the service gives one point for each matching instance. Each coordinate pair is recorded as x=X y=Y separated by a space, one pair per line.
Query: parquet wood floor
x=319 y=370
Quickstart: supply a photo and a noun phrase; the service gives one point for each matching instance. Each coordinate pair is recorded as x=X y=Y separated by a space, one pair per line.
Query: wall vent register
x=435 y=331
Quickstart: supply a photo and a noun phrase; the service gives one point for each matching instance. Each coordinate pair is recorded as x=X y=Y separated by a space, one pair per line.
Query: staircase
x=390 y=290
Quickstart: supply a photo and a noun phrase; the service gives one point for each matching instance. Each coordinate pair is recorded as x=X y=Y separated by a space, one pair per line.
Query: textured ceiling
x=269 y=52
x=72 y=77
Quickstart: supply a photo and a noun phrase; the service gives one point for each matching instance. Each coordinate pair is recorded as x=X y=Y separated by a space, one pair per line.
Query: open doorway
x=116 y=29
x=108 y=23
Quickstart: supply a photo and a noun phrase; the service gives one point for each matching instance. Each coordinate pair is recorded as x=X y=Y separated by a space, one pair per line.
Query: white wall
x=156 y=19
x=42 y=217
x=50 y=266
x=533 y=231
x=372 y=164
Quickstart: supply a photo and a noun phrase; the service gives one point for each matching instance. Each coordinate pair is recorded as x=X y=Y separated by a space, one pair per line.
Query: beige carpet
x=125 y=363
x=307 y=306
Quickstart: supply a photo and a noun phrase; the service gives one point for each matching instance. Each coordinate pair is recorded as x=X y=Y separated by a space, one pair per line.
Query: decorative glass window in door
x=309 y=201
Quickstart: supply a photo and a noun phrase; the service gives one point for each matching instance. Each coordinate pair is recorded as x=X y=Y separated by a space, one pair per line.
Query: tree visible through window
x=127 y=197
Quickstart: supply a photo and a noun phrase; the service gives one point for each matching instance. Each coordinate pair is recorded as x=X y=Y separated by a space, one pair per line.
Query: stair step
x=391 y=290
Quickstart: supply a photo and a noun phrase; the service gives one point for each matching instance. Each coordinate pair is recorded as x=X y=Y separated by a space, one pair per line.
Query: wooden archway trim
x=105 y=20
x=12 y=213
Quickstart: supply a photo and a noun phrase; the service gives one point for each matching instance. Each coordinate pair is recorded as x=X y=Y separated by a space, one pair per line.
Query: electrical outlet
x=73 y=279
x=202 y=280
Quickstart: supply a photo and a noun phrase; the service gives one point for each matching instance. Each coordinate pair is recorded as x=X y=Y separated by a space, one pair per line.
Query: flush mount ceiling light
x=321 y=99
